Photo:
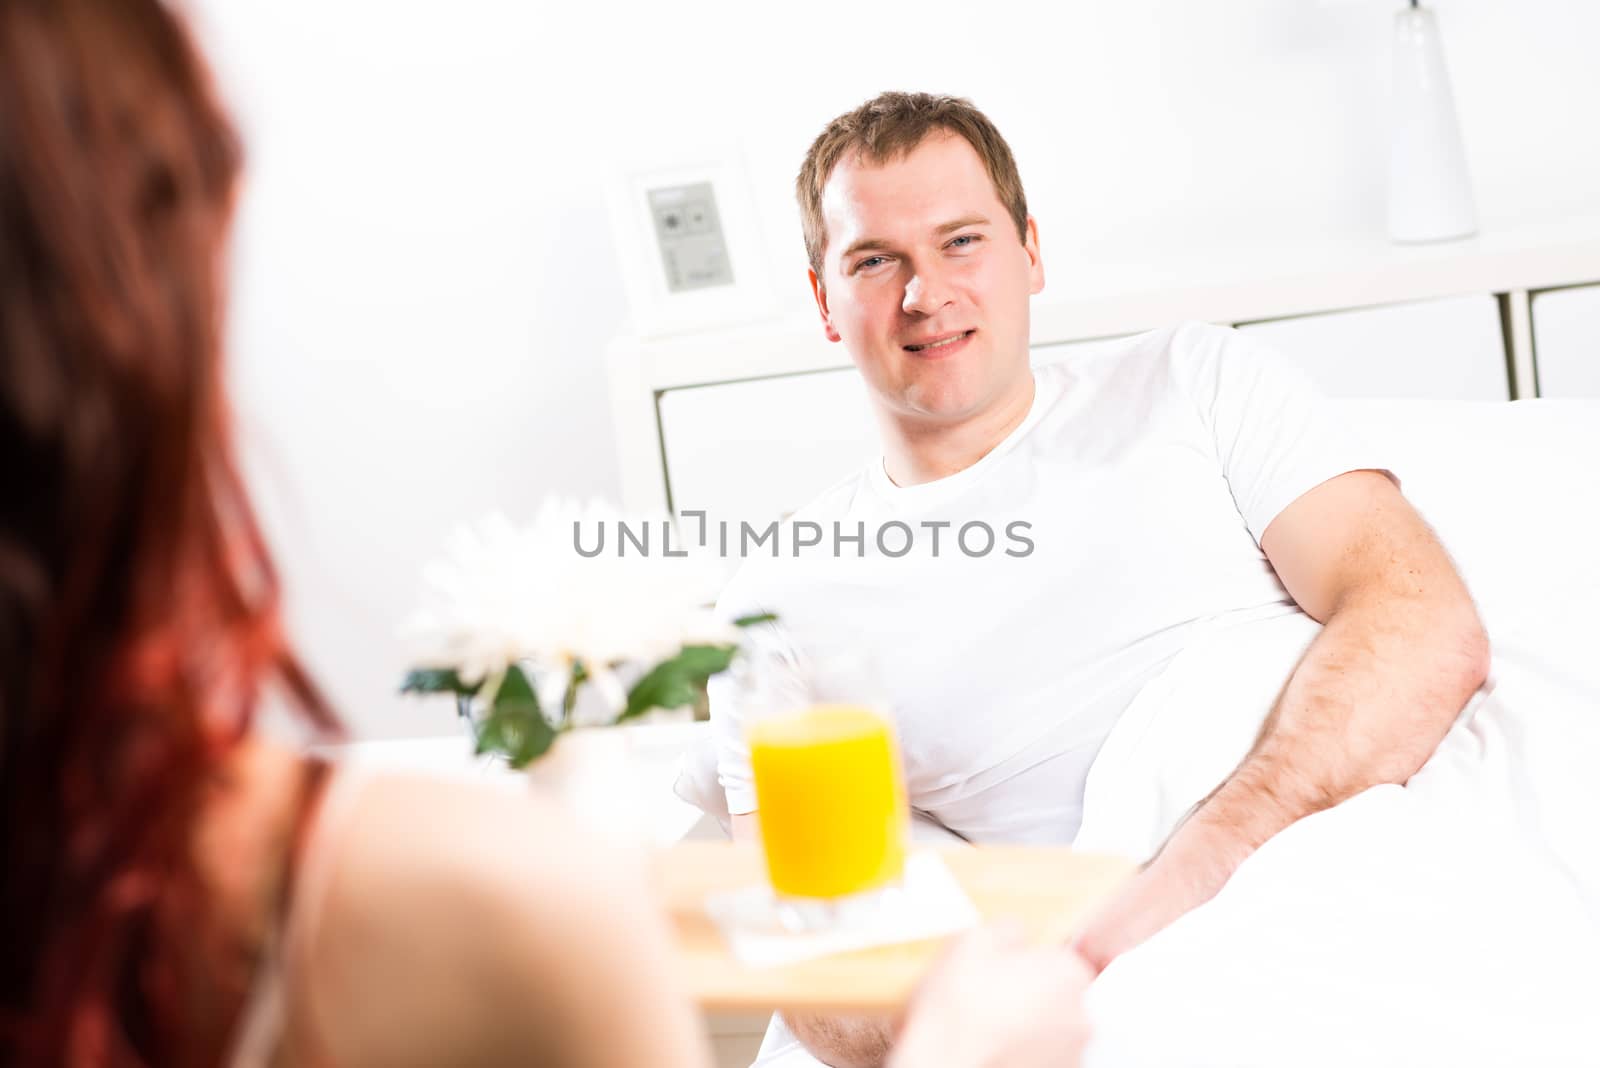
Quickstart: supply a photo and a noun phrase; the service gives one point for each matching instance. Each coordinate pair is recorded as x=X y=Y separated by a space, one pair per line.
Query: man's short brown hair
x=890 y=126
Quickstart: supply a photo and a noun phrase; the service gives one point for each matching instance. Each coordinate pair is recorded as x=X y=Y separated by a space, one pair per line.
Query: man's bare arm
x=1401 y=651
x=839 y=1041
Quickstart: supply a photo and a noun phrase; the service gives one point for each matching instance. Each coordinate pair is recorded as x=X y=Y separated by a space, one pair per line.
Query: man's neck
x=918 y=452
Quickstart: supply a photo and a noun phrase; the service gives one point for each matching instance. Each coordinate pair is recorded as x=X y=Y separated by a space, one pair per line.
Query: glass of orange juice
x=830 y=794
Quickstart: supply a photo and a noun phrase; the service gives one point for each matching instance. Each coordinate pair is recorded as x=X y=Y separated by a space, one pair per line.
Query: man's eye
x=965 y=240
x=869 y=262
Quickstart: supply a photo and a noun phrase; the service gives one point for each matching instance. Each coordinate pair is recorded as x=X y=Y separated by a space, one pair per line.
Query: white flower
x=504 y=593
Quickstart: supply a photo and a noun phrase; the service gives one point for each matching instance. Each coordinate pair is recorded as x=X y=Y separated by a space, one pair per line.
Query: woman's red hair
x=138 y=605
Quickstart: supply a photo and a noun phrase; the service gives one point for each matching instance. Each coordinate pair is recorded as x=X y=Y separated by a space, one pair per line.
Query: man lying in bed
x=1181 y=480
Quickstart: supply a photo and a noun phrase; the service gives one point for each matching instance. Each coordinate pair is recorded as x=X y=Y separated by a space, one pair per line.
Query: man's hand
x=843 y=1041
x=1187 y=873
x=993 y=1000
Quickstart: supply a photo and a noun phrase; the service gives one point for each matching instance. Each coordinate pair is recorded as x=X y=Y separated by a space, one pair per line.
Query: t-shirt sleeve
x=1276 y=435
x=733 y=754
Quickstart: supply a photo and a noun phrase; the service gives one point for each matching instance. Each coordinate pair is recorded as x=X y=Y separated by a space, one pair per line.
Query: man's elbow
x=1460 y=665
x=1449 y=665
x=1451 y=639
x=1467 y=651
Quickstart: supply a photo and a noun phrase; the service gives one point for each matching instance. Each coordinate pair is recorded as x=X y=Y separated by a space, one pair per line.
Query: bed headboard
x=750 y=422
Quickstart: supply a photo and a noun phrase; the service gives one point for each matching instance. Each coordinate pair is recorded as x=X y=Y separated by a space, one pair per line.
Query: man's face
x=926 y=282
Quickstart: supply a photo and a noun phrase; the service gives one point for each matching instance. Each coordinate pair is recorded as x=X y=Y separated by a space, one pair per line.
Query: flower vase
x=591 y=772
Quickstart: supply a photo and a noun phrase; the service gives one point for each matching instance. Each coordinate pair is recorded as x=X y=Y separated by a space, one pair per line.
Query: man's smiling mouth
x=939 y=343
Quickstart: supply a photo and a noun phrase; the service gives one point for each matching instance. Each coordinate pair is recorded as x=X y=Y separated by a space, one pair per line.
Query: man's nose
x=926 y=293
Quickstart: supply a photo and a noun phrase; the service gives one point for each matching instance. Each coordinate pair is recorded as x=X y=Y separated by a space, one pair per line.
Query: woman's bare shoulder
x=464 y=922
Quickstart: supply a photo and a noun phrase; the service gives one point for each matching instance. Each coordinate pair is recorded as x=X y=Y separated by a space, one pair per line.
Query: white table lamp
x=1430 y=192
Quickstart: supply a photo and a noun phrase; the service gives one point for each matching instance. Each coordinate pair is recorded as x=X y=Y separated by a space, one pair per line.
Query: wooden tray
x=1049 y=890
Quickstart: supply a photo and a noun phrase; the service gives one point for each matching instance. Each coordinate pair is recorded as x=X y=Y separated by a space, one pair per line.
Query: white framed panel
x=687 y=242
x=1449 y=349
x=1566 y=341
x=755 y=451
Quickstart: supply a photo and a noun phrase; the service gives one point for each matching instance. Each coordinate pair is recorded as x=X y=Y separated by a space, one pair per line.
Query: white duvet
x=1453 y=921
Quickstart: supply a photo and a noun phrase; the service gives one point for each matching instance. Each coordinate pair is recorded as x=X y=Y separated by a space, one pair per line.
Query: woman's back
x=434 y=922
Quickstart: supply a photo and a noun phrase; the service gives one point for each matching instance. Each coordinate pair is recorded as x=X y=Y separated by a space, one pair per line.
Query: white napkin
x=928 y=903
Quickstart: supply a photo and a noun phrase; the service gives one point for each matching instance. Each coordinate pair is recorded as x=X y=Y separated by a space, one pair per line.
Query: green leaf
x=437 y=680
x=490 y=738
x=750 y=621
x=677 y=681
x=515 y=724
x=580 y=675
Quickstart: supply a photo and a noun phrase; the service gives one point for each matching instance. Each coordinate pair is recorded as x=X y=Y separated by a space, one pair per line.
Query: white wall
x=425 y=281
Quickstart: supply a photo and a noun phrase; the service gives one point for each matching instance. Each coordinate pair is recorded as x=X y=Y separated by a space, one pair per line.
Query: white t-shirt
x=1145 y=474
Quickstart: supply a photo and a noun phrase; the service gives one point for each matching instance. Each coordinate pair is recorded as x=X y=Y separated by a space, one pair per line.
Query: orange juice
x=829 y=800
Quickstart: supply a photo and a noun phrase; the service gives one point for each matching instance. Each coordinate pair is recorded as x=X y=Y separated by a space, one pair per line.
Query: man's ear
x=821 y=295
x=1035 y=262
